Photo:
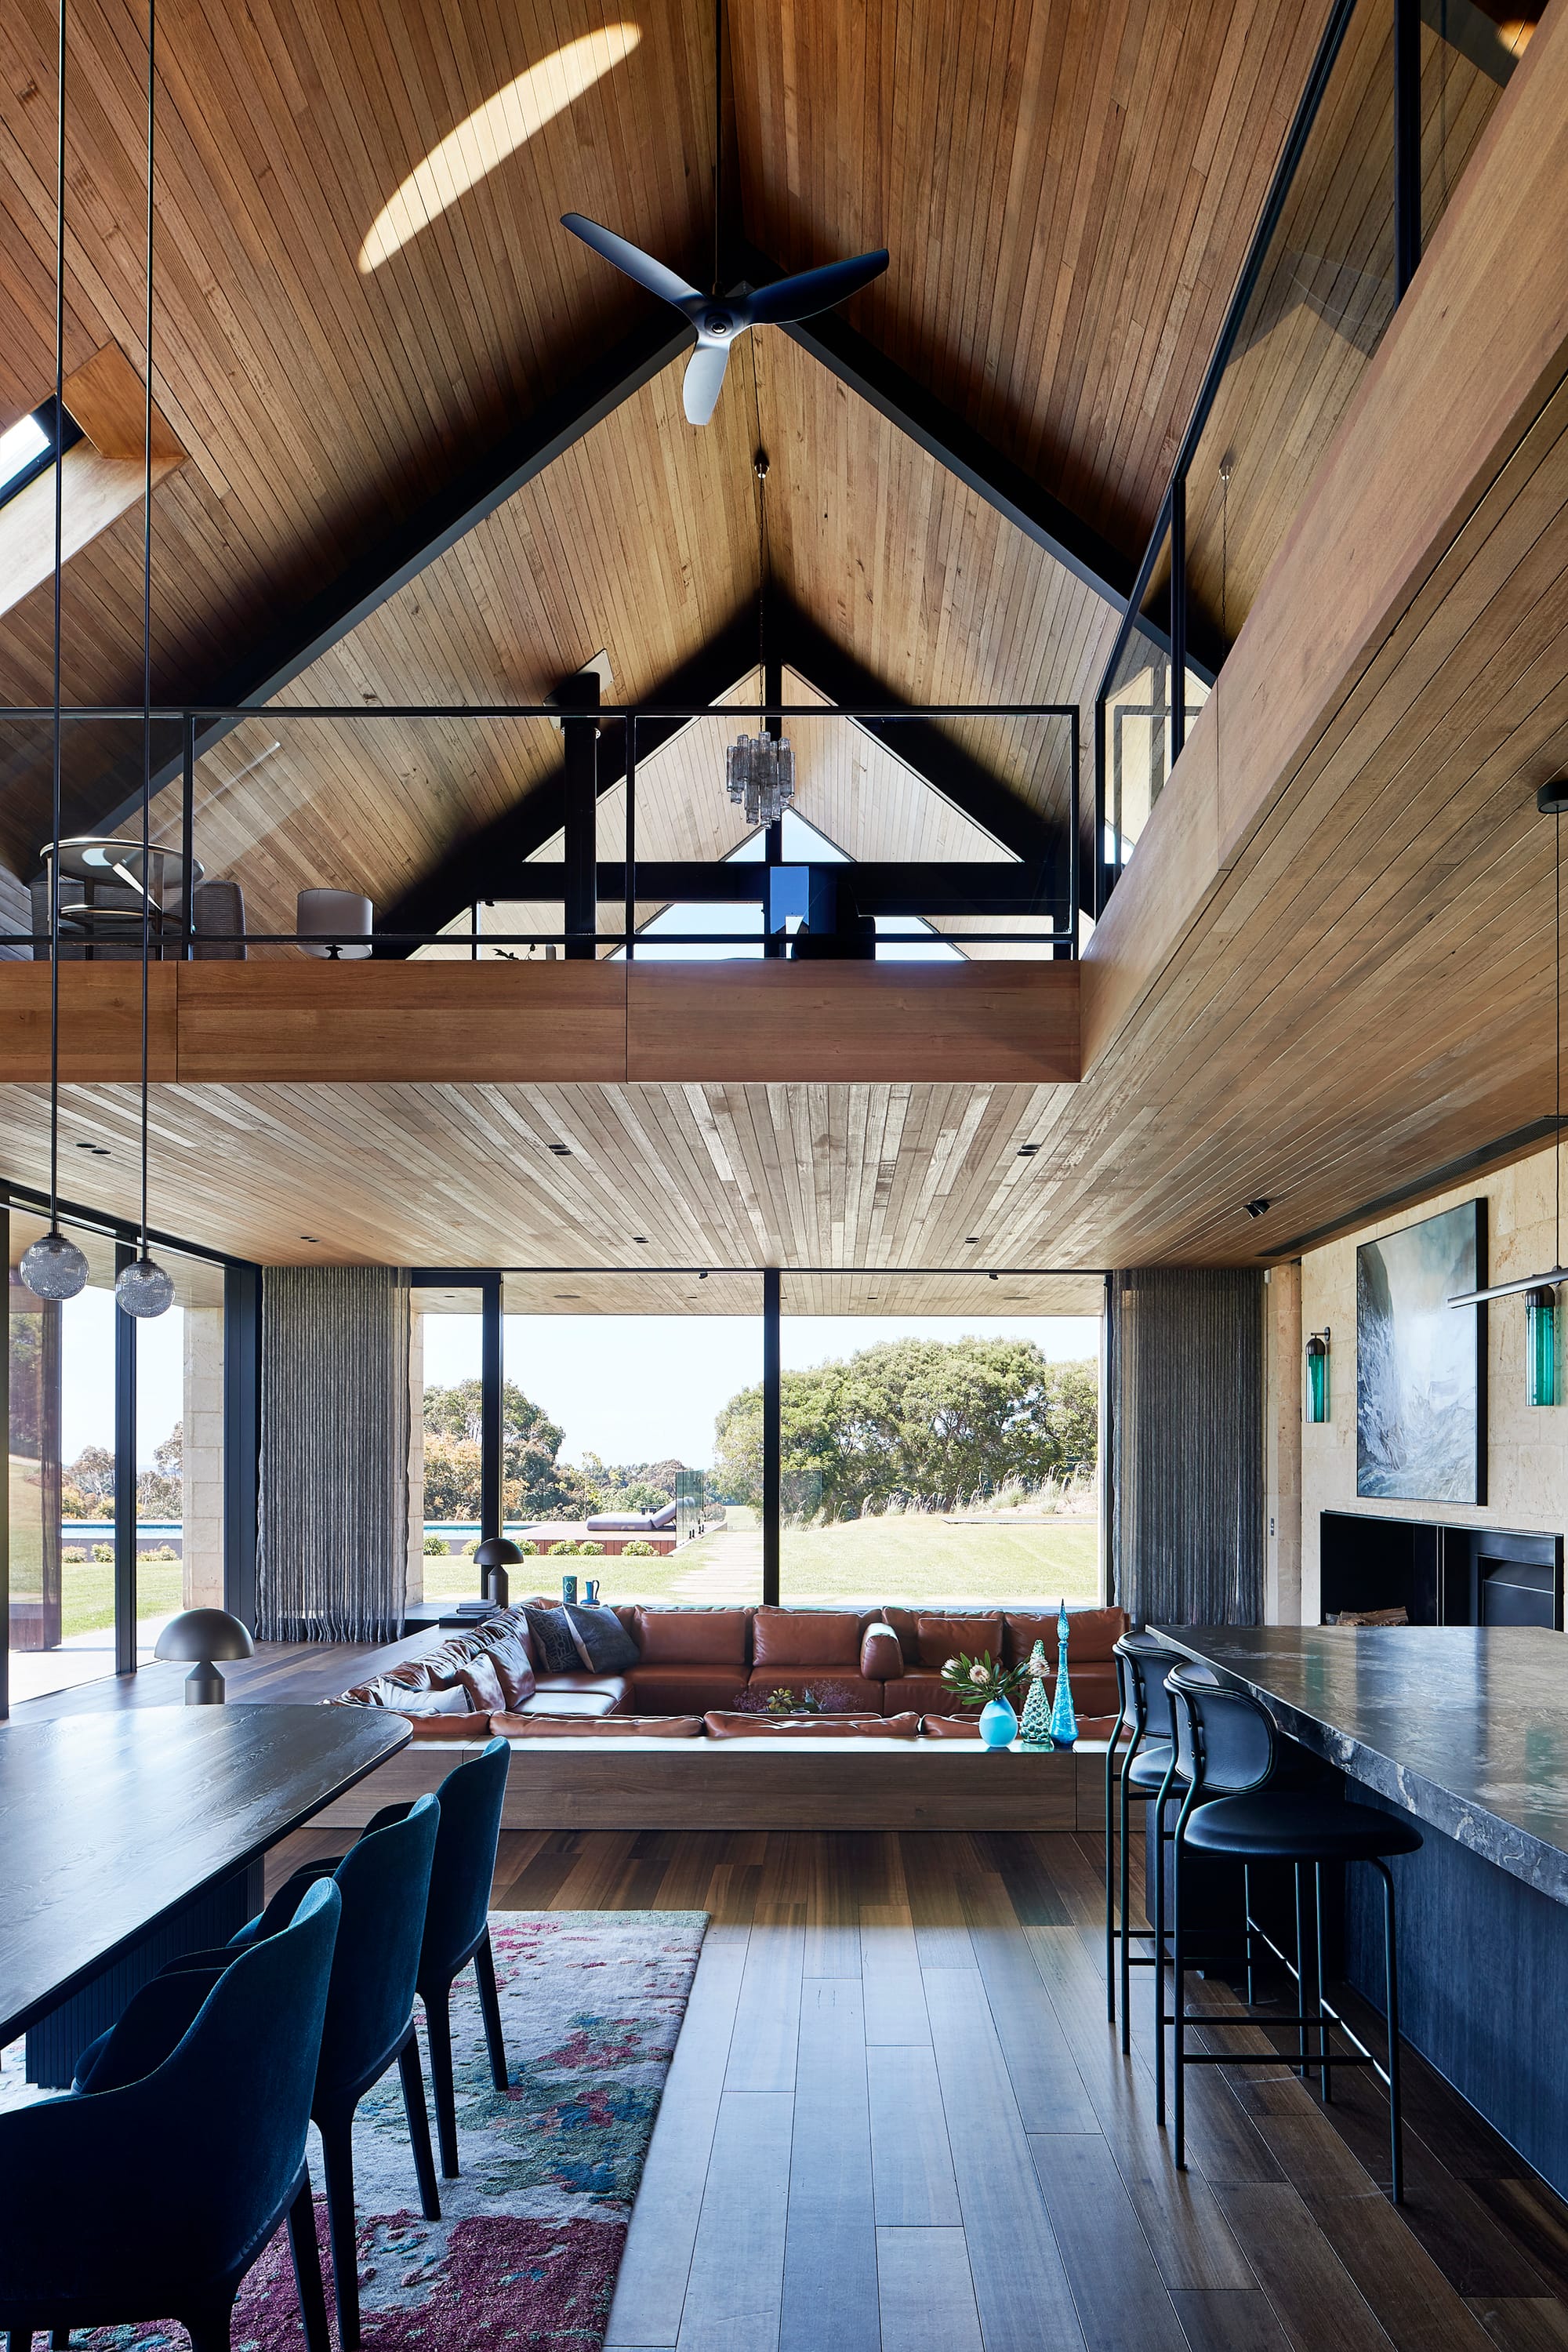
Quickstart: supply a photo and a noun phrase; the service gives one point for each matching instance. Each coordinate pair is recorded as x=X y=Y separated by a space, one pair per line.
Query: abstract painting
x=1420 y=1370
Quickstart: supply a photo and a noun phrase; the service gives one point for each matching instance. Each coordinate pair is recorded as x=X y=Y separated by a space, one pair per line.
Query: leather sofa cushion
x=450 y=1726
x=548 y=1688
x=904 y=1621
x=867 y=1695
x=881 y=1655
x=724 y=1726
x=604 y=1726
x=684 y=1690
x=692 y=1637
x=1092 y=1634
x=1093 y=1689
x=513 y=1664
x=551 y=1700
x=921 y=1687
x=482 y=1680
x=805 y=1637
x=938 y=1639
x=950 y=1727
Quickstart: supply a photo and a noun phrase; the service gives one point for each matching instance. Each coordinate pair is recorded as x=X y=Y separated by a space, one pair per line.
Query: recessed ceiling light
x=562 y=1151
x=314 y=1238
x=702 y=1277
x=1027 y=1150
x=993 y=1277
x=568 y=1293
x=1258 y=1208
x=972 y=1241
x=641 y=1240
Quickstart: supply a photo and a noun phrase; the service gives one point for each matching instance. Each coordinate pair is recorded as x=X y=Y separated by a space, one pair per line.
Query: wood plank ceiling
x=1063 y=240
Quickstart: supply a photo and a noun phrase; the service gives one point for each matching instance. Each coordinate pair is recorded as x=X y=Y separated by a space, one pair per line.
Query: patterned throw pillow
x=609 y=1648
x=554 y=1640
x=452 y=1700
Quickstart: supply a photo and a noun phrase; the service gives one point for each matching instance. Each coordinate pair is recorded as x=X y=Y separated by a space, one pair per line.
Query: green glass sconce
x=1541 y=1344
x=1318 y=1375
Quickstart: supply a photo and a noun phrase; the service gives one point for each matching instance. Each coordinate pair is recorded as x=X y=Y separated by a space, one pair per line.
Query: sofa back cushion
x=480 y=1678
x=881 y=1654
x=692 y=1637
x=805 y=1637
x=724 y=1725
x=554 y=1640
x=1091 y=1634
x=513 y=1664
x=604 y=1726
x=941 y=1638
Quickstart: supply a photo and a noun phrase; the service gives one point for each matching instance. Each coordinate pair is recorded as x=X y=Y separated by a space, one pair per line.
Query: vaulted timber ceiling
x=1066 y=198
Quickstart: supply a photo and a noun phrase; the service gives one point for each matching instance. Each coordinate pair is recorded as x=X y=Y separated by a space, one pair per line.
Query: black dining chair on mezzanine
x=153 y=2198
x=1235 y=1809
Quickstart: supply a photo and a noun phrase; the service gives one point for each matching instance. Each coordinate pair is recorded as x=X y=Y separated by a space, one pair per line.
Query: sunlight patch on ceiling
x=492 y=132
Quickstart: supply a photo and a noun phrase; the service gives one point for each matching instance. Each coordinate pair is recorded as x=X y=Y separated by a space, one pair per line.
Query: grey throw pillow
x=554 y=1640
x=610 y=1648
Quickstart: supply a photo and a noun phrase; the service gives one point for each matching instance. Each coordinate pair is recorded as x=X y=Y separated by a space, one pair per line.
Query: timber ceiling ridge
x=508 y=466
x=944 y=435
x=477 y=867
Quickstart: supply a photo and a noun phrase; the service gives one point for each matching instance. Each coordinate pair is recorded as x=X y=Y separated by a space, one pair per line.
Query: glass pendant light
x=1541 y=1344
x=144 y=1288
x=1318 y=1404
x=759 y=770
x=54 y=1267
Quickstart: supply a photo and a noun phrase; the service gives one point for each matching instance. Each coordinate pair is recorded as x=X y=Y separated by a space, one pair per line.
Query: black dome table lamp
x=204 y=1635
x=492 y=1558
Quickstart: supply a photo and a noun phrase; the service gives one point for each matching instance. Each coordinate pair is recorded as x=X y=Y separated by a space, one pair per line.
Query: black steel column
x=1178 y=617
x=772 y=1434
x=1406 y=144
x=187 y=840
x=490 y=1405
x=124 y=1477
x=241 y=1436
x=580 y=735
x=773 y=942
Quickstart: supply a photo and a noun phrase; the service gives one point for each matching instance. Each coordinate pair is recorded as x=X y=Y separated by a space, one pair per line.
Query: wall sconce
x=1318 y=1375
x=1541 y=1344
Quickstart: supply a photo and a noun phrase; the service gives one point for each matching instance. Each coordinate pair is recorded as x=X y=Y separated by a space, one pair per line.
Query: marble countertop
x=1467 y=1727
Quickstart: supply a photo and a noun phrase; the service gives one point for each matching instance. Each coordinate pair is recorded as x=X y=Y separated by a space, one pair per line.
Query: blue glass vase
x=998 y=1723
x=1064 y=1722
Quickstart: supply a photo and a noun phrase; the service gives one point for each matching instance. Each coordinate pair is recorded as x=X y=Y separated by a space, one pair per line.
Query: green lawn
x=88 y=1592
x=891 y=1559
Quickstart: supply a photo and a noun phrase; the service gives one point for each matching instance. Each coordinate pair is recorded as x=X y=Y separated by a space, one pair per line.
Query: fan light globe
x=144 y=1288
x=54 y=1267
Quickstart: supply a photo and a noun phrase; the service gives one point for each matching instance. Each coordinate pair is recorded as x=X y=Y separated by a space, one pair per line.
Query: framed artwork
x=1420 y=1364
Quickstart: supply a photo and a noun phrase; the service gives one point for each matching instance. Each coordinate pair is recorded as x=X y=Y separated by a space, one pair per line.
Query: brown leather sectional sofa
x=693 y=1663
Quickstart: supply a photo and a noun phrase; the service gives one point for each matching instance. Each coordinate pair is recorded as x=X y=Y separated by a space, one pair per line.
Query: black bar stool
x=1146 y=1771
x=1226 y=1747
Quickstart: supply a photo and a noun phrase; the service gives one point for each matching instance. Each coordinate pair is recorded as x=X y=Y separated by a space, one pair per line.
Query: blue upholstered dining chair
x=152 y=2199
x=457 y=1920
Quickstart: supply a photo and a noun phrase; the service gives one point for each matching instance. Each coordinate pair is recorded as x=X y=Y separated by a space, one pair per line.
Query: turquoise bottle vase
x=1064 y=1722
x=998 y=1723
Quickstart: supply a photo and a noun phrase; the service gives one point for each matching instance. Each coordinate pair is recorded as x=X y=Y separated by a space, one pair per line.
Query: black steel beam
x=125 y=1331
x=772 y=1432
x=507 y=467
x=241 y=1436
x=938 y=430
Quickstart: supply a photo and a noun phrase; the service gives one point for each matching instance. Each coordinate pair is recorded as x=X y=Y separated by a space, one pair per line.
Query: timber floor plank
x=870 y=2138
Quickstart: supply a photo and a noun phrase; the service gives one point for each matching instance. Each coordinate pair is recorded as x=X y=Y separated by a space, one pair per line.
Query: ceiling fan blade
x=813 y=290
x=647 y=272
x=704 y=381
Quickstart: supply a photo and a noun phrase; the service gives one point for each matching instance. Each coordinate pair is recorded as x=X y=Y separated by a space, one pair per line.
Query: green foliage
x=591 y=1550
x=563 y=1551
x=88 y=1482
x=529 y=1550
x=638 y=1549
x=977 y=1682
x=631 y=1485
x=534 y=1484
x=436 y=1548
x=932 y=1422
x=103 y=1551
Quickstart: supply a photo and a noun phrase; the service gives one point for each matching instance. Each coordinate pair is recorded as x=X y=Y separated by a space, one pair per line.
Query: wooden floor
x=897 y=2122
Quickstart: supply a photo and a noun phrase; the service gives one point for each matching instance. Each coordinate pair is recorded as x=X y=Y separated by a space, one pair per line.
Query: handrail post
x=1178 y=617
x=187 y=839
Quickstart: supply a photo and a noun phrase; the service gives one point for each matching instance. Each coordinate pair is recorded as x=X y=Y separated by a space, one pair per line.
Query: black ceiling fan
x=720 y=319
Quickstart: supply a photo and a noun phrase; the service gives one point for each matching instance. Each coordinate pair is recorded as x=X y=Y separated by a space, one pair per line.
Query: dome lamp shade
x=492 y=1558
x=204 y=1635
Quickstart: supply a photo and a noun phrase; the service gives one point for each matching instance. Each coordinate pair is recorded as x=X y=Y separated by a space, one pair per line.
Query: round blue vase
x=998 y=1723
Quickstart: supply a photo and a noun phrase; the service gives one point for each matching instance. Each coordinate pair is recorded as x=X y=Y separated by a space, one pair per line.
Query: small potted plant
x=980 y=1683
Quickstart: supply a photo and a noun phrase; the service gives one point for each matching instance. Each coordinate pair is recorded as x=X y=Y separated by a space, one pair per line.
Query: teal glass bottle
x=1541 y=1344
x=1064 y=1722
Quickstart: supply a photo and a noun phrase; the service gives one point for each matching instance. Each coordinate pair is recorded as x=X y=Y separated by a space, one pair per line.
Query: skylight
x=28 y=448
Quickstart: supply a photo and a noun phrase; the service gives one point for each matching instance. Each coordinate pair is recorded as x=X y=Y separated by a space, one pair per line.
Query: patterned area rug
x=525 y=2255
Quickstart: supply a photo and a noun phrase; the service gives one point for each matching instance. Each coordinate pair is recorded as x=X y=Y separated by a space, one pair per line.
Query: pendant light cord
x=60 y=576
x=718 y=143
x=1557 y=938
x=760 y=468
x=147 y=617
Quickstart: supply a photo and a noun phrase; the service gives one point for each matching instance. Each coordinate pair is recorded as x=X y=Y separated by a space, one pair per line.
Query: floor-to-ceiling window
x=179 y=1452
x=446 y=1368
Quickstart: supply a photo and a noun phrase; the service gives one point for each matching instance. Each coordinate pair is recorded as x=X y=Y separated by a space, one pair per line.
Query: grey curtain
x=332 y=1517
x=1185 y=1392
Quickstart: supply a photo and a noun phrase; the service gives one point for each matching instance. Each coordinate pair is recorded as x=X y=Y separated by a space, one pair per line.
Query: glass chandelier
x=760 y=772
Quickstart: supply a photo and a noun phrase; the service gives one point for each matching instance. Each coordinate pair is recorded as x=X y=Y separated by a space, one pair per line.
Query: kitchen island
x=1465 y=1730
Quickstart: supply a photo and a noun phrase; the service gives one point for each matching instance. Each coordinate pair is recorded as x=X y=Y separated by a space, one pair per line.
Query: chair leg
x=1325 y=2074
x=1111 y=1885
x=1301 y=1982
x=1180 y=2051
x=337 y=2148
x=1247 y=1932
x=1158 y=1823
x=1391 y=2018
x=1124 y=1870
x=489 y=2009
x=306 y=2252
x=210 y=2330
x=419 y=2129
x=438 y=2027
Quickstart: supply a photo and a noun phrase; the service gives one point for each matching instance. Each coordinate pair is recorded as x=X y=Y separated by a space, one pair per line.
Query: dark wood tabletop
x=109 y=1823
